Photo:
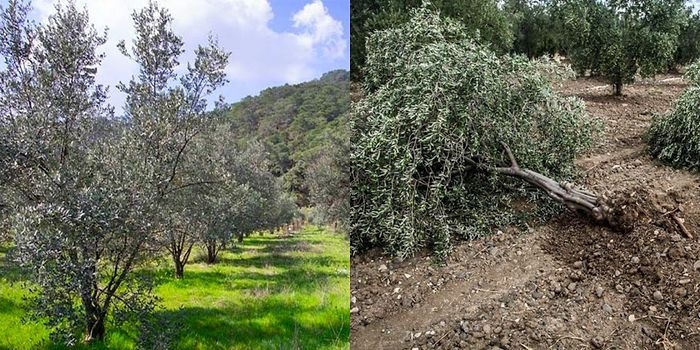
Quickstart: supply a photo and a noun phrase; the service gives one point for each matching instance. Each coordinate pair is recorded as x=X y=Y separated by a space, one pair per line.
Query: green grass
x=269 y=293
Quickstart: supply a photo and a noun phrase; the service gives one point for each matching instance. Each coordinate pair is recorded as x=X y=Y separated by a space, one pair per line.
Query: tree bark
x=576 y=200
x=94 y=324
x=179 y=269
x=212 y=251
x=240 y=238
x=618 y=89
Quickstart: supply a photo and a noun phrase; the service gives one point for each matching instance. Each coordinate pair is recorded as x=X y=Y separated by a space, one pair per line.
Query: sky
x=272 y=42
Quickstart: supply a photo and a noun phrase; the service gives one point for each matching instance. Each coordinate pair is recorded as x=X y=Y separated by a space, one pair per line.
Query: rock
x=652 y=308
x=684 y=281
x=696 y=266
x=497 y=330
x=578 y=264
x=417 y=335
x=631 y=318
x=397 y=289
x=382 y=268
x=607 y=308
x=599 y=291
x=487 y=329
x=465 y=328
x=680 y=292
x=675 y=237
x=571 y=286
x=355 y=310
x=635 y=260
x=406 y=275
x=658 y=296
x=536 y=295
x=597 y=342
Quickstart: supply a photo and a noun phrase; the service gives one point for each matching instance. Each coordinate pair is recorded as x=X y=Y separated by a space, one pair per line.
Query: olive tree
x=92 y=189
x=427 y=145
x=167 y=112
x=674 y=138
x=620 y=39
x=79 y=212
x=327 y=178
x=241 y=196
x=688 y=49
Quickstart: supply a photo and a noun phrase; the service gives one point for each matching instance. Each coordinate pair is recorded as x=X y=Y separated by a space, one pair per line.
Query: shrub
x=675 y=138
x=433 y=98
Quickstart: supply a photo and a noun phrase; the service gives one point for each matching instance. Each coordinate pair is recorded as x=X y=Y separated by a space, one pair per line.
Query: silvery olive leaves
x=432 y=98
x=674 y=138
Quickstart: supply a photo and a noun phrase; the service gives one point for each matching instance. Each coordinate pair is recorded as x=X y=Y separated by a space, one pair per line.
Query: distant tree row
x=614 y=39
x=87 y=198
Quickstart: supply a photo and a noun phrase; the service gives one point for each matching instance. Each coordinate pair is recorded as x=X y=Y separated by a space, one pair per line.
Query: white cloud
x=258 y=53
x=321 y=29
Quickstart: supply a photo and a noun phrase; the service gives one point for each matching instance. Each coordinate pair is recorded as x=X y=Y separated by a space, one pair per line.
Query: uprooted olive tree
x=674 y=138
x=445 y=135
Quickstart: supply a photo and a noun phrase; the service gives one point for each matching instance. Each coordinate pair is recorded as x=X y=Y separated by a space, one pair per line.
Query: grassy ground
x=269 y=293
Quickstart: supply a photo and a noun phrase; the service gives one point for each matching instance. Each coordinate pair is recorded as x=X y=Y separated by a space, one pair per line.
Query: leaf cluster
x=674 y=138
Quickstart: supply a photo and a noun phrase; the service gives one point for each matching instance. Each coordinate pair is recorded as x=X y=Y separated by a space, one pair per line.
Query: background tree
x=688 y=49
x=165 y=118
x=620 y=39
x=674 y=138
x=328 y=180
x=537 y=27
x=483 y=19
x=436 y=106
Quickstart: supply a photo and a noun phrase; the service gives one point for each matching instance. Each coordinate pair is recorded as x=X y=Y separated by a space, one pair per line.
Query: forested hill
x=294 y=122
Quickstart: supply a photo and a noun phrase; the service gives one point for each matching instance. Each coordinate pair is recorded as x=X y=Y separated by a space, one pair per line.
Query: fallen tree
x=427 y=140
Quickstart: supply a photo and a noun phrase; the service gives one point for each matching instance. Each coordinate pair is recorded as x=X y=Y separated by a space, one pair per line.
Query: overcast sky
x=272 y=42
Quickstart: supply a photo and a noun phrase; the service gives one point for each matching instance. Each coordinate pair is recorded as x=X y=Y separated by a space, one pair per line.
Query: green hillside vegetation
x=294 y=122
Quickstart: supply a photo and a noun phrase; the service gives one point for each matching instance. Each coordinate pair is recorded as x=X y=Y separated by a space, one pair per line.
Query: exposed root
x=621 y=212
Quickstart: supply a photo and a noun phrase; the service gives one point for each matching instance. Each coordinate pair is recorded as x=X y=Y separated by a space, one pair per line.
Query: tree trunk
x=94 y=325
x=179 y=269
x=618 y=89
x=576 y=200
x=211 y=253
x=240 y=238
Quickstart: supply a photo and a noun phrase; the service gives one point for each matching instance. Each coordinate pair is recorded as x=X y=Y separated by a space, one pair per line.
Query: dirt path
x=563 y=285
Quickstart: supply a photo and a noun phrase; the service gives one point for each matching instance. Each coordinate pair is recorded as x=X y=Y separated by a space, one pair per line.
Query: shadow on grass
x=9 y=271
x=266 y=323
x=9 y=306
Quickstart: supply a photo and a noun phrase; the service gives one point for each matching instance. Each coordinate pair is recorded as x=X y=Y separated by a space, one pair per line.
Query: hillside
x=294 y=122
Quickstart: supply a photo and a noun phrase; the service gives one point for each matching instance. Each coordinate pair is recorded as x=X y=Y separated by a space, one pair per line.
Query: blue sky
x=272 y=42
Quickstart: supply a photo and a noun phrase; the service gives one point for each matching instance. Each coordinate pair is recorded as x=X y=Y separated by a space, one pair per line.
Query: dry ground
x=563 y=285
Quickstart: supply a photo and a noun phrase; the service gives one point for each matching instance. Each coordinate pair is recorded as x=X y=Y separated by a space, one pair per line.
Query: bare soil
x=567 y=284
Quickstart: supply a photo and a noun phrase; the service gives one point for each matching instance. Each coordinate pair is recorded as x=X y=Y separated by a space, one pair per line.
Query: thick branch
x=573 y=199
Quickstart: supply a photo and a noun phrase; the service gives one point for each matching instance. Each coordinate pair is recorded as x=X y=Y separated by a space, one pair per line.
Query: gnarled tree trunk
x=576 y=200
x=94 y=321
